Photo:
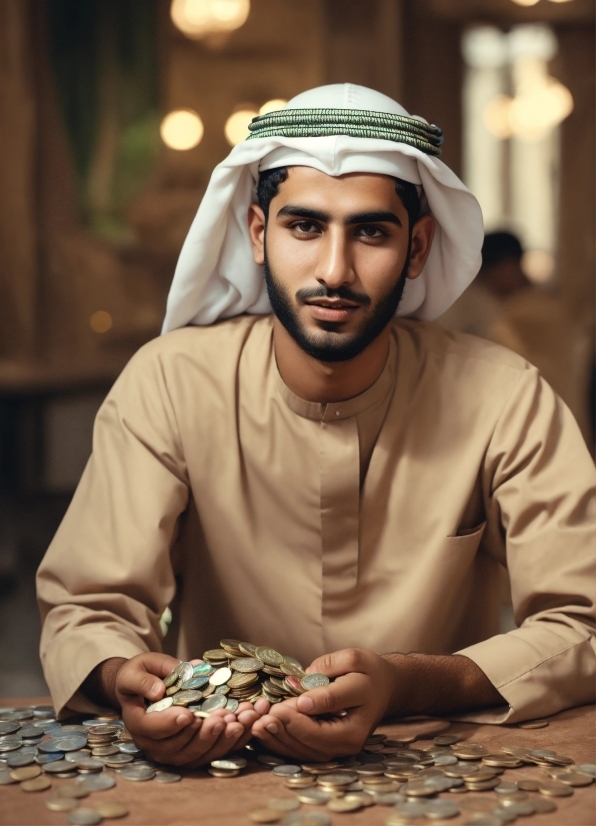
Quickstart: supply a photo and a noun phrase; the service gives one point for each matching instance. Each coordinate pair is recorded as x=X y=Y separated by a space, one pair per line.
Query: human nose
x=335 y=267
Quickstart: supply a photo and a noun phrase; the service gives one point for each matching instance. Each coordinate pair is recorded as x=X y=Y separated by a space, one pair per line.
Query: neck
x=323 y=381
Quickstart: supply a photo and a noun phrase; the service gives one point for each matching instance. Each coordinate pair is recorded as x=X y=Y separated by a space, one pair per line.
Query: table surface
x=202 y=800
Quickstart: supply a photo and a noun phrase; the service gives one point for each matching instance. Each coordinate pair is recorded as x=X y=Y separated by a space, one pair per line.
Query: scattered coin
x=284 y=804
x=229 y=763
x=265 y=816
x=137 y=773
x=96 y=782
x=111 y=809
x=37 y=784
x=587 y=768
x=554 y=788
x=167 y=777
x=61 y=804
x=84 y=817
x=21 y=759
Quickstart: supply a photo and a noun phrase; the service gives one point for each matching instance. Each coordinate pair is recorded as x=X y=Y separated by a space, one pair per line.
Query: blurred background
x=113 y=114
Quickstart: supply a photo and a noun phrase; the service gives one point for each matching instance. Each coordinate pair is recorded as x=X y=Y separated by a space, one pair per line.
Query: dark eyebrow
x=372 y=218
x=304 y=212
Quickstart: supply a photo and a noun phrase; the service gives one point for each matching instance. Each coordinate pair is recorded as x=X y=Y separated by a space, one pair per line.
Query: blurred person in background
x=504 y=306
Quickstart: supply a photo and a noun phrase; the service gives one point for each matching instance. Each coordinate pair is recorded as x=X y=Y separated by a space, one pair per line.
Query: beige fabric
x=471 y=461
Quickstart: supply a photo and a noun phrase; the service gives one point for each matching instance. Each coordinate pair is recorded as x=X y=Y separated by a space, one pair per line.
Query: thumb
x=346 y=692
x=141 y=675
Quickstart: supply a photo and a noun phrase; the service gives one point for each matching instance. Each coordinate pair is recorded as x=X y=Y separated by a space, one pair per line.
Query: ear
x=423 y=233
x=256 y=230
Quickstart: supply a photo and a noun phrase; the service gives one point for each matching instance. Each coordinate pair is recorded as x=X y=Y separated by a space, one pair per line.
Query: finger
x=166 y=749
x=211 y=742
x=337 y=736
x=262 y=706
x=276 y=738
x=156 y=726
x=247 y=718
x=143 y=676
x=348 y=691
x=346 y=661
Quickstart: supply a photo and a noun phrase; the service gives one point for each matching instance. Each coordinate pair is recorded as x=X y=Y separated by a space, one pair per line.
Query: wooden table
x=202 y=800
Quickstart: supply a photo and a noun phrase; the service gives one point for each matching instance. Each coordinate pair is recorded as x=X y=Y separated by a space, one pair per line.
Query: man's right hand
x=173 y=736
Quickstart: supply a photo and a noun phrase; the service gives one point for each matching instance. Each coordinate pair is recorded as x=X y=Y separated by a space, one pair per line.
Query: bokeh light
x=200 y=18
x=100 y=321
x=236 y=128
x=182 y=129
x=526 y=2
x=534 y=114
x=272 y=106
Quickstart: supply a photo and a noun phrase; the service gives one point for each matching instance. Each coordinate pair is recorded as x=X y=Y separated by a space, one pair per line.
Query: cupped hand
x=352 y=706
x=175 y=736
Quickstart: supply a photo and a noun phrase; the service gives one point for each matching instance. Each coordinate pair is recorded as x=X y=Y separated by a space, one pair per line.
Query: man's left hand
x=363 y=687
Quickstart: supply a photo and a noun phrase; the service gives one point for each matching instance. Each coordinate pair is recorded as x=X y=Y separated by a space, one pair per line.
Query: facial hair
x=329 y=344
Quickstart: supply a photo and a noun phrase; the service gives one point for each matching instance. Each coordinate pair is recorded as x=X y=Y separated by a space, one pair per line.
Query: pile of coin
x=235 y=672
x=393 y=773
x=36 y=749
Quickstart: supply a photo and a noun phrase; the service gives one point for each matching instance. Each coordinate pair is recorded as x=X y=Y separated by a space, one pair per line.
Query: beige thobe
x=379 y=522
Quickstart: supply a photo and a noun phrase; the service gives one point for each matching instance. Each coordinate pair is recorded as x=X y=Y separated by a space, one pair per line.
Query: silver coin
x=587 y=768
x=504 y=813
x=523 y=808
x=287 y=770
x=167 y=777
x=412 y=808
x=445 y=760
x=214 y=702
x=75 y=756
x=52 y=757
x=84 y=817
x=137 y=773
x=194 y=683
x=48 y=746
x=72 y=729
x=88 y=764
x=232 y=704
x=5 y=778
x=441 y=808
x=70 y=743
x=543 y=805
x=160 y=705
x=314 y=681
x=96 y=782
x=297 y=818
x=57 y=766
x=20 y=759
x=229 y=763
x=185 y=671
x=386 y=798
x=10 y=743
x=29 y=731
x=316 y=797
x=129 y=748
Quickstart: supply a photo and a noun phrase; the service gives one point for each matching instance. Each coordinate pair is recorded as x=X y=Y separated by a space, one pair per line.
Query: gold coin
x=533 y=724
x=265 y=816
x=292 y=670
x=554 y=788
x=216 y=654
x=349 y=803
x=269 y=656
x=221 y=773
x=61 y=804
x=38 y=784
x=111 y=809
x=25 y=773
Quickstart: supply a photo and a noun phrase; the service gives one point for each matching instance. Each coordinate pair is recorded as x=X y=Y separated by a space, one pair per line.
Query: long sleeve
x=107 y=576
x=539 y=491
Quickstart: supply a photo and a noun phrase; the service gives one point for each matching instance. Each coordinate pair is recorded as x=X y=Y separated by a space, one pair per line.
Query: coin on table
x=478 y=804
x=214 y=702
x=315 y=797
x=9 y=728
x=349 y=803
x=229 y=763
x=314 y=681
x=575 y=778
x=37 y=784
x=11 y=743
x=436 y=809
x=129 y=748
x=84 y=765
x=587 y=768
x=96 y=782
x=413 y=808
x=137 y=773
x=286 y=769
x=111 y=809
x=446 y=739
x=19 y=759
x=223 y=772
x=553 y=788
x=265 y=816
x=115 y=761
x=5 y=778
x=523 y=808
x=270 y=760
x=160 y=705
x=84 y=817
x=75 y=790
x=58 y=766
x=25 y=773
x=284 y=804
x=385 y=798
x=104 y=751
x=533 y=724
x=73 y=743
x=167 y=777
x=220 y=676
x=61 y=804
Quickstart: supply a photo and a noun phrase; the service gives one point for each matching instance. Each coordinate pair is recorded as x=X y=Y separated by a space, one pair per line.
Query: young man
x=326 y=480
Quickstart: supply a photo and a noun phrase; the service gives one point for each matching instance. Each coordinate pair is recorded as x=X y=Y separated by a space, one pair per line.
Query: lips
x=337 y=311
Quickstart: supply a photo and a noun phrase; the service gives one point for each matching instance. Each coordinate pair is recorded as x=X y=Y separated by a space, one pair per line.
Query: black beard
x=334 y=346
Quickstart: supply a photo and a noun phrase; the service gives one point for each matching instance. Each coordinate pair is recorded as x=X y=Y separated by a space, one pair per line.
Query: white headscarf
x=216 y=276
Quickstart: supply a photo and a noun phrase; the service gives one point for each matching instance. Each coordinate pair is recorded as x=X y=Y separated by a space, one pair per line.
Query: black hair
x=271 y=179
x=500 y=246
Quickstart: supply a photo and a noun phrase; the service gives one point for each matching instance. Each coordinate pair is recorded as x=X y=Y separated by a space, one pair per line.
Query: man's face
x=335 y=252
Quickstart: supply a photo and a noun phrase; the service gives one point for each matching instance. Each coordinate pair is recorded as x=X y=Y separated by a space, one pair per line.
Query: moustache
x=344 y=293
